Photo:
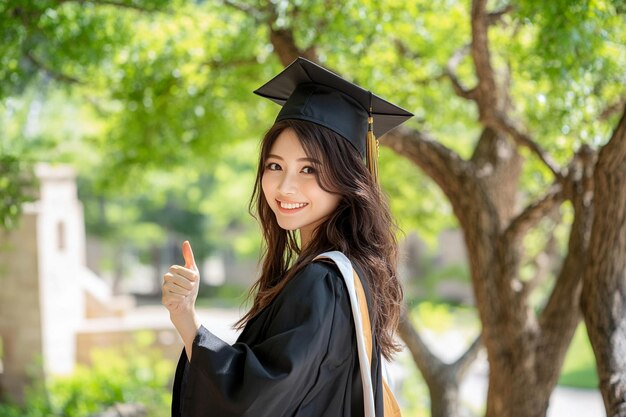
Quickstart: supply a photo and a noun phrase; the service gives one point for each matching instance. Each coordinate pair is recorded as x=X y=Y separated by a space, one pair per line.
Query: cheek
x=265 y=185
x=333 y=202
x=326 y=201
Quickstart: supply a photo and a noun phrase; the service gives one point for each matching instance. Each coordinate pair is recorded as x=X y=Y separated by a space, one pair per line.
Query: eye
x=272 y=166
x=308 y=170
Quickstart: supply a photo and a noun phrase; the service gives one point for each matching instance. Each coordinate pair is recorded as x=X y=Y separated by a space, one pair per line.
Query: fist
x=180 y=285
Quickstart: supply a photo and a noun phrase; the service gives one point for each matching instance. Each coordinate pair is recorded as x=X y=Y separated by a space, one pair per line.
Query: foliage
x=132 y=374
x=433 y=274
x=16 y=187
x=168 y=87
x=61 y=38
x=416 y=203
x=441 y=317
x=579 y=369
x=413 y=392
x=225 y=200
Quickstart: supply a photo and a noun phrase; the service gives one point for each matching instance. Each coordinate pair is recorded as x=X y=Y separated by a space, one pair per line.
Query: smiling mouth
x=290 y=207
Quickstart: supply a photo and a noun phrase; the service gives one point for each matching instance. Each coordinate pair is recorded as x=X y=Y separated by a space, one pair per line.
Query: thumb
x=190 y=262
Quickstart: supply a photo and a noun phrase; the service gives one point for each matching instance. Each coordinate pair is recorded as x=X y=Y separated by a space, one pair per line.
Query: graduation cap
x=312 y=93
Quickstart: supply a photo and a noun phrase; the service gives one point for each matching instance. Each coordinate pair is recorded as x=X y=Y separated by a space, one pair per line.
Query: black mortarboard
x=310 y=92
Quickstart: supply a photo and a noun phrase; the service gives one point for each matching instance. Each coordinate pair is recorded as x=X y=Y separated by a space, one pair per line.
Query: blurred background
x=128 y=126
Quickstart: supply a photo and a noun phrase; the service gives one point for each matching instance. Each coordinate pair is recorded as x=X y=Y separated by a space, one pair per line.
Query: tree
x=525 y=349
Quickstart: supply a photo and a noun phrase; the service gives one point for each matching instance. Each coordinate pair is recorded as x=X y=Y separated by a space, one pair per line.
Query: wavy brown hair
x=361 y=227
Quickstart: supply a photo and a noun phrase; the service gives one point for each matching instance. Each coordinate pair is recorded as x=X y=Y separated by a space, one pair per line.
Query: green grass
x=579 y=368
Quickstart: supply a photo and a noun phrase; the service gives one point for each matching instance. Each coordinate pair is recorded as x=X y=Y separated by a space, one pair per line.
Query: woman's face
x=290 y=187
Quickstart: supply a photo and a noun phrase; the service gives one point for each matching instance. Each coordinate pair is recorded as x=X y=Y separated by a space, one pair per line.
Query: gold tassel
x=372 y=148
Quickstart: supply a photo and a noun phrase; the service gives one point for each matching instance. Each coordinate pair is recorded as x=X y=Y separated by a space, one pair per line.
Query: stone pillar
x=61 y=241
x=20 y=310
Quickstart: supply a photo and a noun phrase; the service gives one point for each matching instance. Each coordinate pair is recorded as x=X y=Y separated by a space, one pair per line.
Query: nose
x=288 y=184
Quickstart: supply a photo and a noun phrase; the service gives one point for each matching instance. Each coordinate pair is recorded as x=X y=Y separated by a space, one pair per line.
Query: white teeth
x=292 y=205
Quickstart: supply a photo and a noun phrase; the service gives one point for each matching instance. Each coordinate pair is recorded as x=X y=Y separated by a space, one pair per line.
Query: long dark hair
x=361 y=227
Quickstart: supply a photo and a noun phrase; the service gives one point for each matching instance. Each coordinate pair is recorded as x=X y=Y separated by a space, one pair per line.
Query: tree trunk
x=444 y=398
x=443 y=380
x=604 y=288
x=525 y=351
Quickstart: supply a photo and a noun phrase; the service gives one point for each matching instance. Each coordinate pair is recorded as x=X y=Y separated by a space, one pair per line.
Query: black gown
x=297 y=357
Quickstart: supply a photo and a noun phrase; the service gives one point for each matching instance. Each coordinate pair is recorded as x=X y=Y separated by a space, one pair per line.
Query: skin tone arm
x=179 y=293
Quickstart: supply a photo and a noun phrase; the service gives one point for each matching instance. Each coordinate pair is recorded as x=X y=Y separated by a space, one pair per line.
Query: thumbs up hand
x=180 y=290
x=180 y=286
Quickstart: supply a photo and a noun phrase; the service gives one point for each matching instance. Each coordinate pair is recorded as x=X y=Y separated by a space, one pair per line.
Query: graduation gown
x=297 y=357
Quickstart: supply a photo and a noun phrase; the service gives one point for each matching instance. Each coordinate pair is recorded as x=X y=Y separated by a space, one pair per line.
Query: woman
x=296 y=355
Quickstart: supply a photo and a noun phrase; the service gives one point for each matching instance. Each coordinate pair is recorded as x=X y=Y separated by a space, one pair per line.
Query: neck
x=307 y=232
x=305 y=238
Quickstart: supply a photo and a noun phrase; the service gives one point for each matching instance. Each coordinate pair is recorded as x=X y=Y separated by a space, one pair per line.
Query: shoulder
x=308 y=297
x=317 y=275
x=321 y=267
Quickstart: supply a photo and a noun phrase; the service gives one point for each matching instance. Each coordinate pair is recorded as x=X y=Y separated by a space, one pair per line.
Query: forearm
x=187 y=326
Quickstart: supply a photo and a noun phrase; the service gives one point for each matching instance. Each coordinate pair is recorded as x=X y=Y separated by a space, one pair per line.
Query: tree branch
x=578 y=183
x=611 y=109
x=218 y=64
x=457 y=179
x=463 y=363
x=532 y=214
x=112 y=3
x=440 y=163
x=616 y=146
x=493 y=101
x=120 y=5
x=503 y=123
x=284 y=43
x=561 y=313
x=286 y=48
x=451 y=67
x=494 y=18
x=428 y=364
x=487 y=88
x=56 y=75
x=543 y=264
x=245 y=8
x=321 y=25
x=403 y=50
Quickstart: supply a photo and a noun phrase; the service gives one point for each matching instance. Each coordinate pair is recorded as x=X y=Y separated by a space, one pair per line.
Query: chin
x=288 y=227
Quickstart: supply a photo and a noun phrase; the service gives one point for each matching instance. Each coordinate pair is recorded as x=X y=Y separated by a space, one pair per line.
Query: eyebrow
x=313 y=160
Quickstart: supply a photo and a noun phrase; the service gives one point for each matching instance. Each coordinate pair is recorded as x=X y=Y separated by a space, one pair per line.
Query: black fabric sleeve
x=273 y=376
